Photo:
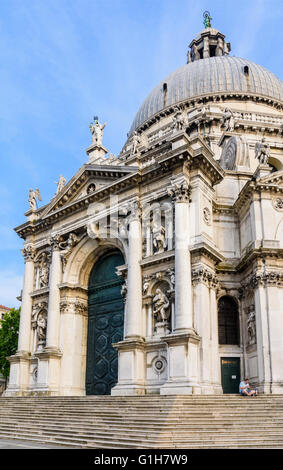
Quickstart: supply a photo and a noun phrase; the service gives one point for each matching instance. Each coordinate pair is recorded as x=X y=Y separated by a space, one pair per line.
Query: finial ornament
x=96 y=130
x=207 y=19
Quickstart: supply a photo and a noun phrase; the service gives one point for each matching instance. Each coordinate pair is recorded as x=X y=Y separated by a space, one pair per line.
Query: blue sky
x=63 y=61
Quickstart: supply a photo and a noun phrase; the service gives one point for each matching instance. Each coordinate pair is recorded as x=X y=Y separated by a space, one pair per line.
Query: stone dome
x=213 y=75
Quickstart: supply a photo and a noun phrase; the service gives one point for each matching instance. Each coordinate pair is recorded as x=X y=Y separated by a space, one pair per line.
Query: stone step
x=145 y=422
x=137 y=431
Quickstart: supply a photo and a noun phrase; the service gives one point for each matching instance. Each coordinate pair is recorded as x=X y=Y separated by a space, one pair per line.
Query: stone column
x=180 y=193
x=133 y=320
x=55 y=276
x=25 y=320
x=20 y=362
x=131 y=351
x=183 y=342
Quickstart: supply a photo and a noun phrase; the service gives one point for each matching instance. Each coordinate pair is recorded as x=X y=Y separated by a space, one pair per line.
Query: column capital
x=135 y=211
x=55 y=241
x=180 y=191
x=28 y=252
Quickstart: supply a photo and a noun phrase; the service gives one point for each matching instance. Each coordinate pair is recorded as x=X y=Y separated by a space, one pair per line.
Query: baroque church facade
x=161 y=271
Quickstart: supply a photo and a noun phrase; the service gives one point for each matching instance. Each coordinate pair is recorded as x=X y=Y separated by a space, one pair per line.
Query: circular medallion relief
x=91 y=188
x=207 y=216
x=277 y=203
x=159 y=365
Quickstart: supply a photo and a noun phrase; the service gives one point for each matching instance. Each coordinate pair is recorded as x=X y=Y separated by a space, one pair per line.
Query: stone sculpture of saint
x=228 y=120
x=251 y=327
x=44 y=271
x=41 y=327
x=159 y=239
x=33 y=195
x=135 y=143
x=60 y=183
x=178 y=120
x=262 y=152
x=160 y=306
x=96 y=130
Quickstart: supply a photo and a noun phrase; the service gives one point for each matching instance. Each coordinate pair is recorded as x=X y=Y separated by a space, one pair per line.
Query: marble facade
x=197 y=214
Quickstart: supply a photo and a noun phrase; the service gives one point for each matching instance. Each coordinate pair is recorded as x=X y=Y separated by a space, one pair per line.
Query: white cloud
x=10 y=287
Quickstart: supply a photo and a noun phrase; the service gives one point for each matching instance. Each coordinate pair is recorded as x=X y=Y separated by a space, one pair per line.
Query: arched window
x=228 y=320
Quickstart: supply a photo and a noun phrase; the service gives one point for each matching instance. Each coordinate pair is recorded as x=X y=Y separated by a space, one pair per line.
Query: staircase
x=147 y=422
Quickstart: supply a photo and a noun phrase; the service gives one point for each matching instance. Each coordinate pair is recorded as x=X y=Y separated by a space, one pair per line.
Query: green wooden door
x=230 y=374
x=105 y=325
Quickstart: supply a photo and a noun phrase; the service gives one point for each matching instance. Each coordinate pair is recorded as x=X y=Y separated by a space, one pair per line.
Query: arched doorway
x=105 y=324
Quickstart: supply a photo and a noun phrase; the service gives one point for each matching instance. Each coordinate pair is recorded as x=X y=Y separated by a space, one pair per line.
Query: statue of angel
x=262 y=152
x=60 y=183
x=96 y=130
x=32 y=198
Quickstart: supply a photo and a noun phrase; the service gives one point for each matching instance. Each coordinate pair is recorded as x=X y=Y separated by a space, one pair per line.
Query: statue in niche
x=228 y=120
x=41 y=326
x=159 y=239
x=161 y=306
x=60 y=183
x=43 y=271
x=262 y=152
x=251 y=326
x=178 y=122
x=96 y=130
x=33 y=195
x=39 y=323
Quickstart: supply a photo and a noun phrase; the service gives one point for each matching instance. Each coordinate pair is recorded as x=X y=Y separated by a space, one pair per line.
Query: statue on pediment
x=60 y=183
x=33 y=195
x=96 y=130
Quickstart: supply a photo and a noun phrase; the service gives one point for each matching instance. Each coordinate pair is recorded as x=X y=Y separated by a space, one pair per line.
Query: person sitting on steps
x=245 y=389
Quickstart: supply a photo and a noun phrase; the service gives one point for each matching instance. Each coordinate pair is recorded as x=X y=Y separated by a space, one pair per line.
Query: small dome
x=212 y=75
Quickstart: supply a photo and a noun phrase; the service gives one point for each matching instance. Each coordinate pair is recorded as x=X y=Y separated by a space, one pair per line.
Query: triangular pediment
x=274 y=179
x=88 y=179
